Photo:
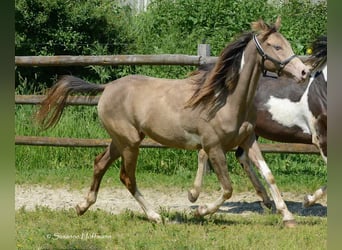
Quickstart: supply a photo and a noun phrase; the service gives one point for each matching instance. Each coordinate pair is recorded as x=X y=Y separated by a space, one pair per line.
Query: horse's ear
x=259 y=26
x=277 y=23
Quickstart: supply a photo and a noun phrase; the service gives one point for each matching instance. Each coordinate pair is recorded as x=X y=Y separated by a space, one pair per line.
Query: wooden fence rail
x=166 y=59
x=148 y=143
x=71 y=100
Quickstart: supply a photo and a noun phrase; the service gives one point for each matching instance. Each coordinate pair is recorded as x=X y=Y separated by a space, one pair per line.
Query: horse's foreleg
x=253 y=151
x=218 y=161
x=101 y=164
x=127 y=177
x=311 y=199
x=247 y=167
x=202 y=161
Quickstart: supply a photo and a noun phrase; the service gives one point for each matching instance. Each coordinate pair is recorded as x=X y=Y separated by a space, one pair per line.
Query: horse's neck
x=318 y=88
x=243 y=95
x=317 y=83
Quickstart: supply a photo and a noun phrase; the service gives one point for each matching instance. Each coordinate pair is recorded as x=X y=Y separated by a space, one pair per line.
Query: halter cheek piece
x=280 y=64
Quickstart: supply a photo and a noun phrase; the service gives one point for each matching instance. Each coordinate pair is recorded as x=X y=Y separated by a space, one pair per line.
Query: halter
x=280 y=64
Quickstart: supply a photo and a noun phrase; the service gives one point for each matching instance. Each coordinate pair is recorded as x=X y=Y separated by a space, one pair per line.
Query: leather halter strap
x=281 y=64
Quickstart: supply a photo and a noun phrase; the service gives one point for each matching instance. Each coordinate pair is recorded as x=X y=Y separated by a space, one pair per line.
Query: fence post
x=203 y=50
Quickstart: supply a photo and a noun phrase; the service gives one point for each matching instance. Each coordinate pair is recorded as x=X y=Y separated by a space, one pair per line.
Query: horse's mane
x=214 y=82
x=319 y=53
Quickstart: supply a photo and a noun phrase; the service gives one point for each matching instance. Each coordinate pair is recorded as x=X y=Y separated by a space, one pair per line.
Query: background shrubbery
x=103 y=27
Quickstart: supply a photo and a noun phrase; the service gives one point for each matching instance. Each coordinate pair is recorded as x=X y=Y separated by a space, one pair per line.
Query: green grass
x=47 y=229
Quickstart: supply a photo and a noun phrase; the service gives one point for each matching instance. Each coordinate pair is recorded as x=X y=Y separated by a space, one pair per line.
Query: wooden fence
x=203 y=57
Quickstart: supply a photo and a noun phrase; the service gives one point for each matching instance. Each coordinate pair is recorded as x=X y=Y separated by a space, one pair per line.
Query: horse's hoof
x=290 y=223
x=79 y=211
x=267 y=204
x=201 y=211
x=306 y=202
x=197 y=214
x=155 y=217
x=191 y=197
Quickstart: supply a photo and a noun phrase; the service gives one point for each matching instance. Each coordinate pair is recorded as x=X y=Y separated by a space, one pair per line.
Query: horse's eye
x=277 y=47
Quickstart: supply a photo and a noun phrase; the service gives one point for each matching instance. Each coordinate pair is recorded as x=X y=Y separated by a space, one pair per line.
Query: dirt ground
x=117 y=200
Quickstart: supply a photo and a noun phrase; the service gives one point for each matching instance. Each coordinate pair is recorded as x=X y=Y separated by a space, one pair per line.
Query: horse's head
x=275 y=51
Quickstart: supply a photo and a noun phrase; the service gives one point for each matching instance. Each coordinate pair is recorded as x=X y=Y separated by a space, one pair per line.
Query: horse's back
x=151 y=106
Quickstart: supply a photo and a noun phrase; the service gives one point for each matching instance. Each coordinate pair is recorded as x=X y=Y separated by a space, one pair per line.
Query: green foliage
x=177 y=27
x=59 y=27
x=97 y=27
x=303 y=22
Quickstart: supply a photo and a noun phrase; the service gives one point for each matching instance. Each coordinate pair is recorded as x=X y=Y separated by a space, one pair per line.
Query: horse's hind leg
x=253 y=152
x=127 y=177
x=101 y=164
x=247 y=167
x=202 y=161
x=311 y=199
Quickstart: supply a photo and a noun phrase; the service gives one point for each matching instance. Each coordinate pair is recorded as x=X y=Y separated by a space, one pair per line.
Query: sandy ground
x=119 y=199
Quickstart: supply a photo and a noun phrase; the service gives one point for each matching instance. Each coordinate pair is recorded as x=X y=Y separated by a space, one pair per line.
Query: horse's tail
x=53 y=105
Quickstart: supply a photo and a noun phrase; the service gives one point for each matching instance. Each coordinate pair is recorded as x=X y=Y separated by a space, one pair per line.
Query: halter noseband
x=281 y=64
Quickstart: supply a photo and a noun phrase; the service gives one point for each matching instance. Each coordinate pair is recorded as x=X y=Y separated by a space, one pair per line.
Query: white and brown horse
x=286 y=112
x=215 y=115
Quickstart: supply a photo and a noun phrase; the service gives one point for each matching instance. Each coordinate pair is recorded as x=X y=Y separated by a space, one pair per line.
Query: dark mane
x=319 y=56
x=213 y=86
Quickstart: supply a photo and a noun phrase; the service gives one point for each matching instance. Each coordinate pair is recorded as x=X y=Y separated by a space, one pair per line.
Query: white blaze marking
x=288 y=113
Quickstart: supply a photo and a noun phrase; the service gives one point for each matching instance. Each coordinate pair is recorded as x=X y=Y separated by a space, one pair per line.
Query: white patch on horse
x=325 y=72
x=289 y=113
x=242 y=62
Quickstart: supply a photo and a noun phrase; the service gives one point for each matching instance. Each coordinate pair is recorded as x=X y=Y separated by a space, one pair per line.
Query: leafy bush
x=59 y=27
x=95 y=27
x=303 y=22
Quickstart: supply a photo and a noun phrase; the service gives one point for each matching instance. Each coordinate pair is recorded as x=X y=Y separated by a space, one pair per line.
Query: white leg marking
x=89 y=200
x=151 y=214
x=311 y=199
x=278 y=200
x=202 y=161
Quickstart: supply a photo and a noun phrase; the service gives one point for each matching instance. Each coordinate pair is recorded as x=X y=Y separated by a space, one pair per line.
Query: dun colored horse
x=286 y=112
x=214 y=115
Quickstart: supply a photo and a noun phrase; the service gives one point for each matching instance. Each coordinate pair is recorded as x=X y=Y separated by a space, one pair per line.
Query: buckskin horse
x=286 y=112
x=214 y=115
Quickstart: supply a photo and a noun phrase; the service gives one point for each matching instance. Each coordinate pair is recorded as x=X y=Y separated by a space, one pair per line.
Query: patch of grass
x=47 y=229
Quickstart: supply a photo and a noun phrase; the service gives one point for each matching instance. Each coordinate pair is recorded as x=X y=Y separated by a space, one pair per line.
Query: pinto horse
x=286 y=112
x=215 y=115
